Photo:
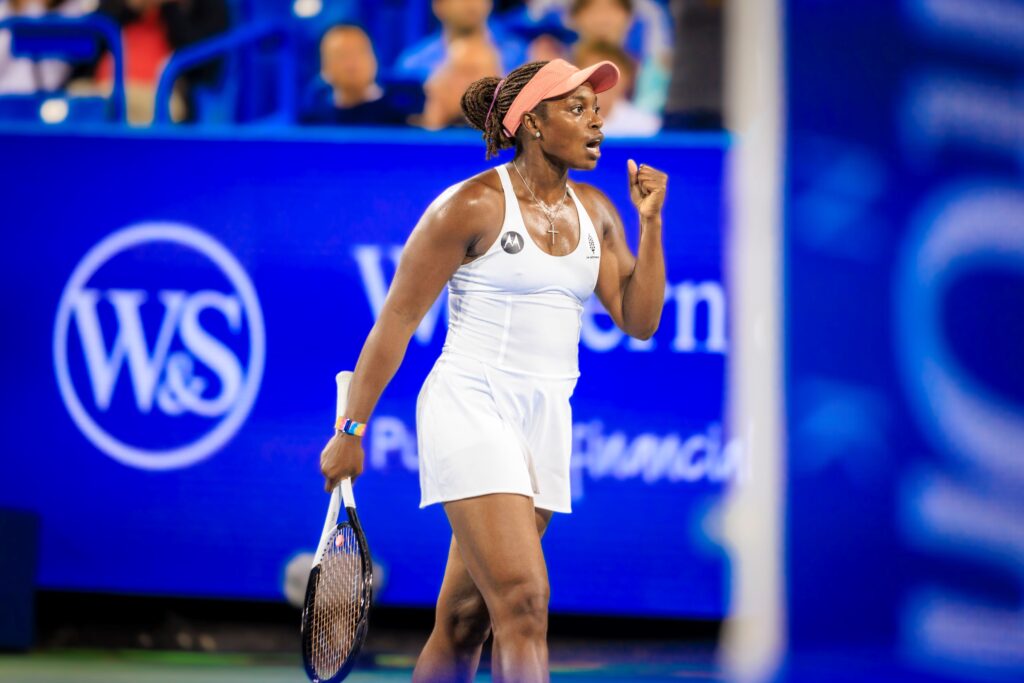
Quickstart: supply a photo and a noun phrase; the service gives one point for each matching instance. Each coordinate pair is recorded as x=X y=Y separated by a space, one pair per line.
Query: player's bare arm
x=632 y=288
x=445 y=237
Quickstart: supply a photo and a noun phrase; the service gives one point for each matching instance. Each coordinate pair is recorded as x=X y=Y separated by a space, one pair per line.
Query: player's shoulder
x=479 y=194
x=586 y=190
x=594 y=200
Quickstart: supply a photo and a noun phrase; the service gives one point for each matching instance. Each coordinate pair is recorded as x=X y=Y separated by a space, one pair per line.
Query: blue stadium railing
x=237 y=47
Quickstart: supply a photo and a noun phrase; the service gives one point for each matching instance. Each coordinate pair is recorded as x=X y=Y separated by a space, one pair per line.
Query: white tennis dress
x=493 y=415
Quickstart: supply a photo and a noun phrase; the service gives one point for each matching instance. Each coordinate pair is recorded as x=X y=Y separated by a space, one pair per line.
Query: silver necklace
x=548 y=212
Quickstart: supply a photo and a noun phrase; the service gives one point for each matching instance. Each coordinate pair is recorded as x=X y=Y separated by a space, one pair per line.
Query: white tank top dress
x=493 y=415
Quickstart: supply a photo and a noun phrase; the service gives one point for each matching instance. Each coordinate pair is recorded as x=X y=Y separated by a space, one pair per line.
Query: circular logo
x=965 y=230
x=512 y=242
x=155 y=369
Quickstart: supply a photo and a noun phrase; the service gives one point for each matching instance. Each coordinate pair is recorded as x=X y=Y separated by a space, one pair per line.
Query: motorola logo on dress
x=159 y=345
x=512 y=242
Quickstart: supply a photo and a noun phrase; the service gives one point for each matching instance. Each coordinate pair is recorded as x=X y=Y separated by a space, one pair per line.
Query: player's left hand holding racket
x=335 y=614
x=343 y=456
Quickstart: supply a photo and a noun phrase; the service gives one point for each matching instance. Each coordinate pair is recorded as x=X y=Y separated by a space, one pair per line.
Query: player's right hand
x=341 y=457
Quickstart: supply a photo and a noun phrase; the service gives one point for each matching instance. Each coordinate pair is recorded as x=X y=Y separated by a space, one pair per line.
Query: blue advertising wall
x=176 y=308
x=904 y=309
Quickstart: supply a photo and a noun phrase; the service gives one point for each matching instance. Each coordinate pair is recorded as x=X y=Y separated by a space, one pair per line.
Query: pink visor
x=557 y=77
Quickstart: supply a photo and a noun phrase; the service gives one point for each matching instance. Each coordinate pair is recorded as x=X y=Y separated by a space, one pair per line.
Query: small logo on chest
x=592 y=245
x=512 y=242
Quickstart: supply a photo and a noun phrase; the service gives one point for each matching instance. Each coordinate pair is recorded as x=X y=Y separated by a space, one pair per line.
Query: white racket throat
x=342 y=493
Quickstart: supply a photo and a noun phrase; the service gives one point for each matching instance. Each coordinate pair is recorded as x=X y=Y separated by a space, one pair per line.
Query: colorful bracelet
x=348 y=426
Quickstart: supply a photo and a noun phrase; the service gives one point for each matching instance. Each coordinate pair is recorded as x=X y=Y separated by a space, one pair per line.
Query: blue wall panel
x=903 y=305
x=190 y=464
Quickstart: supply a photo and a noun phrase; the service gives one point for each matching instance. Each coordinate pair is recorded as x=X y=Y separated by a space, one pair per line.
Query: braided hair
x=479 y=97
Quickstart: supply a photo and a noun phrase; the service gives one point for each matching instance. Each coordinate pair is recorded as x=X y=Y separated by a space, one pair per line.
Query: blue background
x=898 y=536
x=291 y=208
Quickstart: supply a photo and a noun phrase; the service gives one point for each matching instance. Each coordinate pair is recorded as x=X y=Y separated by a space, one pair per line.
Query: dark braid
x=477 y=100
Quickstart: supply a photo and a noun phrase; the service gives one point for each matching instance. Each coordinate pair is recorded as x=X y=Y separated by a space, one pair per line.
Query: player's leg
x=500 y=548
x=462 y=623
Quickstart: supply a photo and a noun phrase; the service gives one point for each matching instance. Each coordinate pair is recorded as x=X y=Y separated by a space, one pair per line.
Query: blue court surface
x=605 y=662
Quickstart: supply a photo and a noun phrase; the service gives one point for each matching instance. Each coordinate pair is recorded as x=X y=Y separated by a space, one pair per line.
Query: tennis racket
x=335 y=614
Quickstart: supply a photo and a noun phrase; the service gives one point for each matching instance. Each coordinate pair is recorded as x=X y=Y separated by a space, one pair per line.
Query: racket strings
x=338 y=603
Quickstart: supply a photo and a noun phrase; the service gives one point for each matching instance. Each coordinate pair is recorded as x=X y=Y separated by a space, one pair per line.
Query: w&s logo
x=159 y=345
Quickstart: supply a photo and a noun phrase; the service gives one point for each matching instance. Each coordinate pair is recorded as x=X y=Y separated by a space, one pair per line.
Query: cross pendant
x=552 y=232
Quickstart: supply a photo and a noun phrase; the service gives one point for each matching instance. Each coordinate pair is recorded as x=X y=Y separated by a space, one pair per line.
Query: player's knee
x=467 y=623
x=522 y=610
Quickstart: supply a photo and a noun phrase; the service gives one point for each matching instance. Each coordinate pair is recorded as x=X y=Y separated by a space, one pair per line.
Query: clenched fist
x=647 y=186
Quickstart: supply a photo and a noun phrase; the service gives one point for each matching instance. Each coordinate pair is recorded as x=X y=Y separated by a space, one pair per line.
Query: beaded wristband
x=348 y=426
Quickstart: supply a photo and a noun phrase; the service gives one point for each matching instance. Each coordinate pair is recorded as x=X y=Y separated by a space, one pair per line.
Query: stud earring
x=537 y=134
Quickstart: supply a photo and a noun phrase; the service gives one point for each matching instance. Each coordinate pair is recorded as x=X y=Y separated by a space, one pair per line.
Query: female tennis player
x=521 y=247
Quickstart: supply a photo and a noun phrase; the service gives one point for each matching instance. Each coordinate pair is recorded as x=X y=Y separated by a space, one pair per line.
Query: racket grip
x=342 y=379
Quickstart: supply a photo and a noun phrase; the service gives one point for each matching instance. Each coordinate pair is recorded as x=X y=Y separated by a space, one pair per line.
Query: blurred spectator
x=621 y=117
x=546 y=47
x=309 y=21
x=545 y=34
x=23 y=76
x=460 y=19
x=150 y=32
x=695 y=93
x=348 y=91
x=468 y=59
x=656 y=52
x=642 y=27
x=601 y=21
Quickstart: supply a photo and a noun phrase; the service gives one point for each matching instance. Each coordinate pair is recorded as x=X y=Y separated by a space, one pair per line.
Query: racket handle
x=342 y=379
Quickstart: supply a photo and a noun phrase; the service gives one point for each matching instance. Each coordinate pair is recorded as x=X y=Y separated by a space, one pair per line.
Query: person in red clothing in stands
x=151 y=30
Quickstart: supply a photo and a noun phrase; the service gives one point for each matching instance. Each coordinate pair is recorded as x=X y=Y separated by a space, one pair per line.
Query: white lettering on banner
x=995 y=26
x=689 y=300
x=967 y=506
x=389 y=436
x=597 y=455
x=129 y=344
x=654 y=457
x=942 y=110
x=688 y=296
x=205 y=348
x=145 y=368
x=162 y=371
x=370 y=258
